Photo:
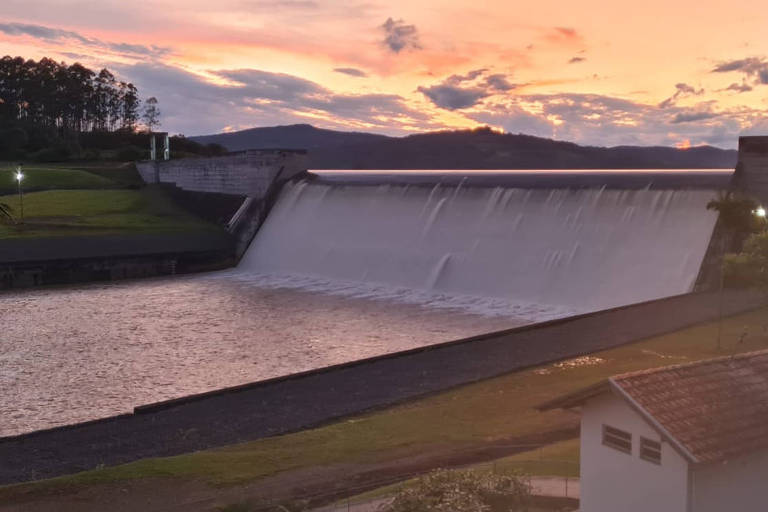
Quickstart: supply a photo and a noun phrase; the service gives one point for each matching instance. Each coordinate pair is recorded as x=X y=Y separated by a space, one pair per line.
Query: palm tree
x=736 y=216
x=5 y=212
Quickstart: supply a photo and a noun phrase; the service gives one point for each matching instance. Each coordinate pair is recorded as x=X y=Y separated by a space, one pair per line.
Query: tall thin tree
x=151 y=114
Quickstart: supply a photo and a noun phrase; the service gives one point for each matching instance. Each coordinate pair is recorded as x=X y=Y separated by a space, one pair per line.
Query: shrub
x=52 y=154
x=737 y=216
x=450 y=491
x=130 y=153
x=13 y=139
x=91 y=155
x=750 y=267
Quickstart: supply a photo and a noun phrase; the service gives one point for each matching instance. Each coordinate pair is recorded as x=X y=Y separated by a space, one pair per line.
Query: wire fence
x=372 y=492
x=548 y=486
x=543 y=471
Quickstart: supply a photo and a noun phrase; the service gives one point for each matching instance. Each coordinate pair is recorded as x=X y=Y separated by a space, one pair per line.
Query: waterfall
x=494 y=250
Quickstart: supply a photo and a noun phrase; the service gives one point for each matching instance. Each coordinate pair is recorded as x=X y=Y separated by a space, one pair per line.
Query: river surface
x=70 y=354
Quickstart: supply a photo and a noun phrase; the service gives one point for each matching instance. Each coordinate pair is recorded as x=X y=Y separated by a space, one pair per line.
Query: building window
x=650 y=450
x=617 y=439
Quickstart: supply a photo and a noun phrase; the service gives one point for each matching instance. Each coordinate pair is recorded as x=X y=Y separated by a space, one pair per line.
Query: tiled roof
x=716 y=409
x=711 y=410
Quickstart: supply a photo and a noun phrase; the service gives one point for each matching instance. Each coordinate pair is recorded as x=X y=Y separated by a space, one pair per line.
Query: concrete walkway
x=556 y=486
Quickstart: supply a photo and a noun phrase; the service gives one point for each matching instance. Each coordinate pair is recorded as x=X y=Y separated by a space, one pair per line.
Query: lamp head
x=760 y=212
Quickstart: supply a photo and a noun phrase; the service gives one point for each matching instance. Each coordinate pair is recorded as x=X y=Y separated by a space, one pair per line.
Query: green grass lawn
x=500 y=408
x=91 y=198
x=558 y=459
x=46 y=178
x=93 y=212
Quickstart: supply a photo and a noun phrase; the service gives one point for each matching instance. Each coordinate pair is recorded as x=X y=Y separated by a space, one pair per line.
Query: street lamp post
x=19 y=177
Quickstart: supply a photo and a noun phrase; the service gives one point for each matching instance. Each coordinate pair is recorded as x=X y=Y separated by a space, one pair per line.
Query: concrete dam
x=530 y=245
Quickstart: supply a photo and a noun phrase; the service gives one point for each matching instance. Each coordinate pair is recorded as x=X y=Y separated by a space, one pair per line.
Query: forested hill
x=465 y=149
x=53 y=111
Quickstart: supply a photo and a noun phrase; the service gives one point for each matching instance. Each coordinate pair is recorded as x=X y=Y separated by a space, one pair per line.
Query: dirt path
x=316 y=485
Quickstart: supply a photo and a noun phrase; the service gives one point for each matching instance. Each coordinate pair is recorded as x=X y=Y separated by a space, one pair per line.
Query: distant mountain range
x=464 y=149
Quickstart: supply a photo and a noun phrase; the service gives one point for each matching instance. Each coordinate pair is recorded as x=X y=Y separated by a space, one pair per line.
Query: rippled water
x=78 y=353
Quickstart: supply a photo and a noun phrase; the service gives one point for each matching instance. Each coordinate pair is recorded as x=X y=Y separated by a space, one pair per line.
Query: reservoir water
x=79 y=353
x=345 y=268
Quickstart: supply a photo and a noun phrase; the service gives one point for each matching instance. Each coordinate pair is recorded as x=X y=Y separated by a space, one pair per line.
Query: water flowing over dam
x=442 y=256
x=532 y=253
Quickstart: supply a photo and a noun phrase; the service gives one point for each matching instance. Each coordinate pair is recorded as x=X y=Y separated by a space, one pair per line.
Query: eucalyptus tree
x=151 y=115
x=70 y=99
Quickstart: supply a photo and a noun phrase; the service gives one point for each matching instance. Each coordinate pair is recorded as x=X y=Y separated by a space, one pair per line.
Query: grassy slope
x=558 y=459
x=494 y=409
x=90 y=200
x=48 y=178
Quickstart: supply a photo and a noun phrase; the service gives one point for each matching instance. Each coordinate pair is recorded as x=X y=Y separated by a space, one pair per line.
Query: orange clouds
x=691 y=75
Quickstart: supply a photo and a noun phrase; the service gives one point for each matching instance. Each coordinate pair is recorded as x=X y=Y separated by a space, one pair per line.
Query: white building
x=686 y=438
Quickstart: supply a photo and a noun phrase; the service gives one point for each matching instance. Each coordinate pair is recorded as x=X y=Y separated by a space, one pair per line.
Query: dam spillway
x=533 y=253
x=354 y=265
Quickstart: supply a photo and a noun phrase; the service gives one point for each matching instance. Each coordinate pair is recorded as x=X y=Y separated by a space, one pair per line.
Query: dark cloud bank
x=55 y=35
x=463 y=91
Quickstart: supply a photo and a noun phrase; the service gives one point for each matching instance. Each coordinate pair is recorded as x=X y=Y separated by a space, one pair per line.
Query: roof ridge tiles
x=691 y=364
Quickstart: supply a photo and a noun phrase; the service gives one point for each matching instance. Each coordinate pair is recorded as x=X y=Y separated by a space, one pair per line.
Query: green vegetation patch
x=493 y=410
x=44 y=178
x=93 y=212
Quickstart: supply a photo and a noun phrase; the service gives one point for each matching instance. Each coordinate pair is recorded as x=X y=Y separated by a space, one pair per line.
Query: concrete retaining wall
x=59 y=260
x=256 y=175
x=291 y=403
x=752 y=170
x=248 y=173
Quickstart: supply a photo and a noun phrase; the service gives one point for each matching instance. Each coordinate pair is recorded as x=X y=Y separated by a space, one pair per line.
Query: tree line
x=52 y=110
x=69 y=98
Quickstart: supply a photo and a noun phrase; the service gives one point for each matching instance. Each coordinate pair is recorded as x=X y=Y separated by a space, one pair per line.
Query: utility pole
x=720 y=293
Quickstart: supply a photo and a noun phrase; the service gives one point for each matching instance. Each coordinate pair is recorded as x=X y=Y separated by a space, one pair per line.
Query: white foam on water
x=534 y=254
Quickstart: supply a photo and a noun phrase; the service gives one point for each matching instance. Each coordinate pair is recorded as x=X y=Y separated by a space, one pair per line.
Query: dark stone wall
x=211 y=206
x=58 y=260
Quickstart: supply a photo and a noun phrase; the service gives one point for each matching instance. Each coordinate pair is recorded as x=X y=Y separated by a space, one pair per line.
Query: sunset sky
x=595 y=71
